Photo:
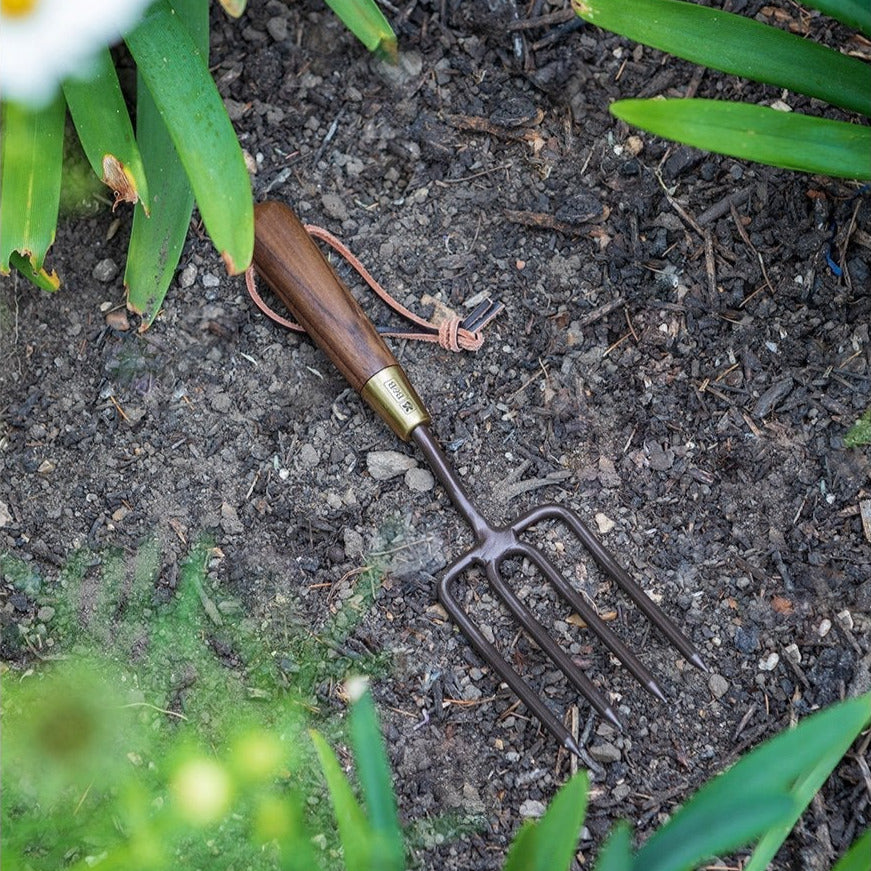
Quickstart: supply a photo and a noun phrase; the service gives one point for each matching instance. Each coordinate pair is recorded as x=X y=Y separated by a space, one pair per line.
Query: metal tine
x=613 y=569
x=594 y=622
x=492 y=657
x=546 y=642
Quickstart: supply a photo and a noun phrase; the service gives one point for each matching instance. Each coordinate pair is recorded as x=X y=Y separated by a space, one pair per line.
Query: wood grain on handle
x=293 y=266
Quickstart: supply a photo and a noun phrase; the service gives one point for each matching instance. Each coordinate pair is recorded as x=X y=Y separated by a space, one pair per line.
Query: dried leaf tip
x=120 y=179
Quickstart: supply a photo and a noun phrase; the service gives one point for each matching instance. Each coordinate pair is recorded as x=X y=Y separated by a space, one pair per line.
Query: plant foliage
x=745 y=47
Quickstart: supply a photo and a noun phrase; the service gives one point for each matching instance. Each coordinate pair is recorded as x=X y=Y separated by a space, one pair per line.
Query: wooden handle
x=294 y=267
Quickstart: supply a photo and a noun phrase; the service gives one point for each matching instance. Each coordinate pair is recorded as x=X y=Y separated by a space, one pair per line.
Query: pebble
x=532 y=809
x=605 y=752
x=308 y=456
x=45 y=613
x=353 y=542
x=604 y=523
x=277 y=28
x=769 y=663
x=210 y=280
x=825 y=627
x=718 y=686
x=187 y=276
x=384 y=465
x=5 y=515
x=105 y=270
x=419 y=479
x=117 y=320
x=230 y=522
x=46 y=467
x=335 y=207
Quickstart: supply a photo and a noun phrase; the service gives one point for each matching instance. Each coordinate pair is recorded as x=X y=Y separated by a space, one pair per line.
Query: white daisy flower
x=42 y=42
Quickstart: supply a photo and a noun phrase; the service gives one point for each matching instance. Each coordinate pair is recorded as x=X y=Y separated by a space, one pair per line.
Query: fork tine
x=494 y=659
x=544 y=640
x=613 y=569
x=594 y=622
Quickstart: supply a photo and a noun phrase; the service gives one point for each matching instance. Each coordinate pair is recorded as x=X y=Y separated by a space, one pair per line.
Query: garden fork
x=293 y=266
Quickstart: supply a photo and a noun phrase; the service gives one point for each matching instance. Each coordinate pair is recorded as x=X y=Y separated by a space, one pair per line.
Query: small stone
x=187 y=276
x=605 y=752
x=419 y=479
x=384 y=465
x=277 y=28
x=105 y=270
x=230 y=520
x=604 y=523
x=532 y=809
x=117 y=320
x=845 y=619
x=210 y=280
x=335 y=207
x=769 y=663
x=45 y=613
x=792 y=653
x=825 y=627
x=353 y=542
x=718 y=685
x=46 y=467
x=5 y=515
x=308 y=456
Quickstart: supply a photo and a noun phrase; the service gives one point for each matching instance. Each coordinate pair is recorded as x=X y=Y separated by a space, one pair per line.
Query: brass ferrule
x=390 y=394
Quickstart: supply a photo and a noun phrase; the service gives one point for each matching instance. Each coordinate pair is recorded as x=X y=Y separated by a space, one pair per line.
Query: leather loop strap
x=453 y=334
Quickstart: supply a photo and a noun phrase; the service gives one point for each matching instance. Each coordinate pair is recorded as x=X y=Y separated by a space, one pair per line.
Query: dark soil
x=676 y=360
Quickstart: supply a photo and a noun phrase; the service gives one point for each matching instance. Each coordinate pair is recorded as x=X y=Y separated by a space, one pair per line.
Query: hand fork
x=294 y=267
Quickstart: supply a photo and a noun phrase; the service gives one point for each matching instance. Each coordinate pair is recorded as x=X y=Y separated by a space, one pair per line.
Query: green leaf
x=366 y=21
x=100 y=116
x=825 y=738
x=737 y=45
x=858 y=857
x=550 y=843
x=713 y=822
x=782 y=776
x=853 y=13
x=353 y=828
x=616 y=854
x=373 y=772
x=31 y=156
x=860 y=432
x=156 y=242
x=42 y=279
x=785 y=139
x=178 y=78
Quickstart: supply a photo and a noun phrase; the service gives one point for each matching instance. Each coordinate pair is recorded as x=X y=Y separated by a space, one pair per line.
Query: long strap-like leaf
x=186 y=97
x=737 y=45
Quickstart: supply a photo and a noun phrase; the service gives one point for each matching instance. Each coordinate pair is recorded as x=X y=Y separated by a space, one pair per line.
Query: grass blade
x=784 y=139
x=858 y=857
x=32 y=158
x=711 y=824
x=178 y=78
x=737 y=45
x=373 y=771
x=156 y=242
x=616 y=854
x=100 y=116
x=549 y=844
x=366 y=21
x=782 y=774
x=853 y=13
x=353 y=828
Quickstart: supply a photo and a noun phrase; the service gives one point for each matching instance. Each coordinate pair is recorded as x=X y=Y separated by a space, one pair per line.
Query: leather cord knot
x=452 y=333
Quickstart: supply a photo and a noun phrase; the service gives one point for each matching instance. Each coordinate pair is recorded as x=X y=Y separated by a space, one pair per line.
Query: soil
x=677 y=360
